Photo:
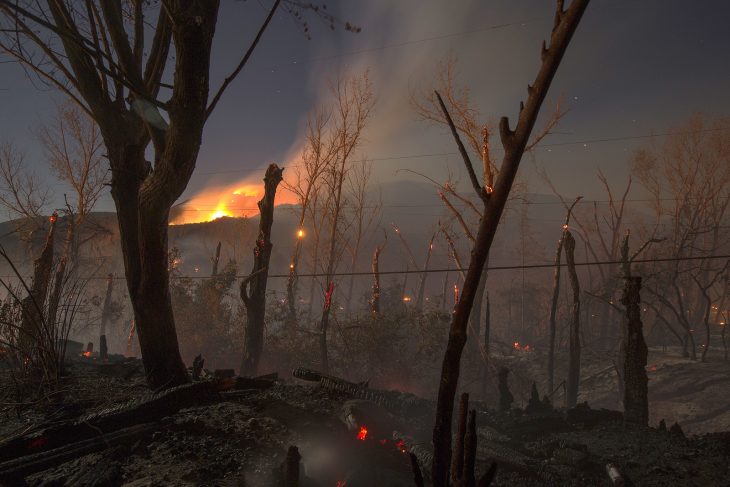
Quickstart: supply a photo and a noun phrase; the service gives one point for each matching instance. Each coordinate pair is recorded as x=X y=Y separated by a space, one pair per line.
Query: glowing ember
x=53 y=217
x=86 y=354
x=406 y=298
x=401 y=446
x=362 y=434
x=300 y=233
x=522 y=348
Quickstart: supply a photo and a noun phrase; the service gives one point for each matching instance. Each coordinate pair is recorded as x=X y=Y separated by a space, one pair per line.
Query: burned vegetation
x=314 y=343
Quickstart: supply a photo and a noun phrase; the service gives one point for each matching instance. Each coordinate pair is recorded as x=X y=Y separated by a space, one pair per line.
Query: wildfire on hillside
x=235 y=201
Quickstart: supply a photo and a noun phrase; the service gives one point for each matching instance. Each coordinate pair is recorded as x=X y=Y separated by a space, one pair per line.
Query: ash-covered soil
x=240 y=437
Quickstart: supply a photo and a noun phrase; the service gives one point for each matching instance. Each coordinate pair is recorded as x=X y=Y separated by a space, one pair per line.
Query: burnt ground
x=694 y=394
x=240 y=437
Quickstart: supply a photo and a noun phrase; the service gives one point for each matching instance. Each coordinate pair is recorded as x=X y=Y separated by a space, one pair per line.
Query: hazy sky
x=634 y=68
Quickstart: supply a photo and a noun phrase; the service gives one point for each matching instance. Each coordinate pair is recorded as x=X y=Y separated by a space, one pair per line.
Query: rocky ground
x=240 y=437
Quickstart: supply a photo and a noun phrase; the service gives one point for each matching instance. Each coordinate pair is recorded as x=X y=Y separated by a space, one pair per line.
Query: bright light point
x=300 y=233
x=406 y=298
x=565 y=227
x=291 y=266
x=490 y=189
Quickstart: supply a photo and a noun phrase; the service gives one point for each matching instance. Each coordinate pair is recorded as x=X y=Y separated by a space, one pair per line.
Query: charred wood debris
x=537 y=445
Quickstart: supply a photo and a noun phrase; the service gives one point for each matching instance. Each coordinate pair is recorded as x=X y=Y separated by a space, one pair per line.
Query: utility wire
x=451 y=269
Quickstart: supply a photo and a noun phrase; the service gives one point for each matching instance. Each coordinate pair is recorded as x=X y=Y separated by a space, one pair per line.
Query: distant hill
x=413 y=206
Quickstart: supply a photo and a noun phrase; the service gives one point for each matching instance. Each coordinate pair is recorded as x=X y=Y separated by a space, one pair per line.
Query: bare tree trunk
x=445 y=291
x=375 y=297
x=253 y=288
x=514 y=143
x=33 y=305
x=105 y=312
x=487 y=327
x=475 y=316
x=636 y=404
x=573 y=379
x=422 y=284
x=554 y=302
x=324 y=326
x=553 y=313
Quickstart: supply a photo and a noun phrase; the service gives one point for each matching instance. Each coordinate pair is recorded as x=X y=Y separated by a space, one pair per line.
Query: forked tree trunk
x=514 y=143
x=253 y=288
x=573 y=378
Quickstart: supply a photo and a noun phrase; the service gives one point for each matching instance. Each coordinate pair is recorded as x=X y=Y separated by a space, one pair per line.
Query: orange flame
x=238 y=200
x=362 y=434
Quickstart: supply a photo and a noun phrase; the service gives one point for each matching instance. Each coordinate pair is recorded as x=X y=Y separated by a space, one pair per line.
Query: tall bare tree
x=494 y=200
x=573 y=379
x=99 y=53
x=554 y=302
x=353 y=105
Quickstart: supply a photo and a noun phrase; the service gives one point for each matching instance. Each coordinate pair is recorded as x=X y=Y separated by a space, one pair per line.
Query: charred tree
x=253 y=288
x=487 y=328
x=215 y=260
x=33 y=319
x=573 y=379
x=375 y=296
x=554 y=302
x=635 y=380
x=105 y=314
x=494 y=199
x=422 y=283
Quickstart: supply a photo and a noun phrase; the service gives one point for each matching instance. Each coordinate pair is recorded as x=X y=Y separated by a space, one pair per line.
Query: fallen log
x=150 y=407
x=13 y=470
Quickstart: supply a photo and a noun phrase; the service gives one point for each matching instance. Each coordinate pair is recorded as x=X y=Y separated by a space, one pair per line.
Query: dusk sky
x=633 y=69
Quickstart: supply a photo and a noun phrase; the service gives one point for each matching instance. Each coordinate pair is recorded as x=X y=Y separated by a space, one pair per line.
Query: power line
x=452 y=269
x=510 y=267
